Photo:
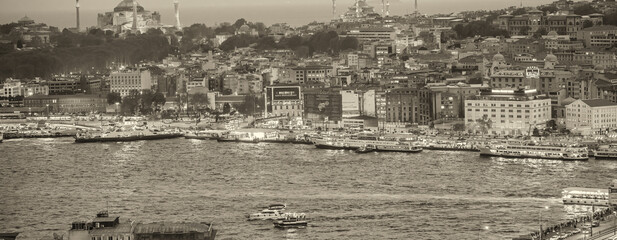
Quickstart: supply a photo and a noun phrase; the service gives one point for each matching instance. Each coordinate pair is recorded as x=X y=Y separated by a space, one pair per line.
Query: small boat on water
x=277 y=206
x=606 y=152
x=293 y=221
x=365 y=149
x=266 y=214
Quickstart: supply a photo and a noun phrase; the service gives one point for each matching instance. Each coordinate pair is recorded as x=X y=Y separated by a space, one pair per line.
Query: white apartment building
x=594 y=114
x=511 y=112
x=125 y=81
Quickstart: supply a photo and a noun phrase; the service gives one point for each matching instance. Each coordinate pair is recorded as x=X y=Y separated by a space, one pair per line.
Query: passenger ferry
x=292 y=221
x=606 y=152
x=125 y=136
x=203 y=135
x=355 y=143
x=530 y=150
x=266 y=214
x=585 y=196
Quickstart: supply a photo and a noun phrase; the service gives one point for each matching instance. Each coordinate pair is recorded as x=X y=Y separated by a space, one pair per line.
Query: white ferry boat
x=529 y=150
x=375 y=143
x=292 y=221
x=266 y=214
x=585 y=196
x=606 y=152
x=271 y=214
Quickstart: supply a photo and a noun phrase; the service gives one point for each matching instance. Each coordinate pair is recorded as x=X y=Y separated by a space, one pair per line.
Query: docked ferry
x=530 y=150
x=362 y=142
x=606 y=152
x=125 y=136
x=585 y=196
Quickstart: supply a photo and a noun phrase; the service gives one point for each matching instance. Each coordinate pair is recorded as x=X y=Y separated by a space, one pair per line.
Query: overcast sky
x=296 y=12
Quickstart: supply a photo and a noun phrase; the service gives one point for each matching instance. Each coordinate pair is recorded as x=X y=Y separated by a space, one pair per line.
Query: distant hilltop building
x=121 y=19
x=359 y=12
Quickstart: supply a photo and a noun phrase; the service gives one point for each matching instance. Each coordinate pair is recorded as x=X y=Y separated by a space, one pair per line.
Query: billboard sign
x=286 y=93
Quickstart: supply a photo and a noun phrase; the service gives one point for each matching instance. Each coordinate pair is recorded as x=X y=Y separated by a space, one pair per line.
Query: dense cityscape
x=518 y=105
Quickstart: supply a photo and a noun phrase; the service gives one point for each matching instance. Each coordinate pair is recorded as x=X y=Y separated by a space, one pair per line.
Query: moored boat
x=125 y=136
x=606 y=152
x=365 y=149
x=531 y=150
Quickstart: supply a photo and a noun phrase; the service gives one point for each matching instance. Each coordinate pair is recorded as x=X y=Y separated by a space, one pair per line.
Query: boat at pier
x=585 y=196
x=532 y=150
x=355 y=143
x=126 y=136
x=365 y=149
x=606 y=152
x=203 y=135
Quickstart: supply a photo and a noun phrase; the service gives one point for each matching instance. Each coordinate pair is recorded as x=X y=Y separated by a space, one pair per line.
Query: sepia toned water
x=45 y=184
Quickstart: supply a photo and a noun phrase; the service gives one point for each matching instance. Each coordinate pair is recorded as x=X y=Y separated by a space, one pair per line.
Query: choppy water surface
x=45 y=184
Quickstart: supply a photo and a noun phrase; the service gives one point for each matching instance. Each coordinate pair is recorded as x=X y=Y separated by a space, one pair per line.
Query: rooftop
x=599 y=103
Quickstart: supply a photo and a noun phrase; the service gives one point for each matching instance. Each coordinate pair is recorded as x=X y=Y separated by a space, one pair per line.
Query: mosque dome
x=127 y=6
x=499 y=58
x=26 y=20
x=550 y=58
x=552 y=34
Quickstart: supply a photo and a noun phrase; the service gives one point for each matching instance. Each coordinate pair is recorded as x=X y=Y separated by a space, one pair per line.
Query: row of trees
x=46 y=62
x=479 y=28
x=321 y=42
x=143 y=102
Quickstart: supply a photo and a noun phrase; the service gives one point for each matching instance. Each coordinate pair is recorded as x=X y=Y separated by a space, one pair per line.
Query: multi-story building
x=351 y=103
x=533 y=21
x=284 y=101
x=323 y=105
x=599 y=36
x=67 y=103
x=507 y=111
x=594 y=114
x=402 y=105
x=373 y=34
x=123 y=82
x=448 y=101
x=311 y=74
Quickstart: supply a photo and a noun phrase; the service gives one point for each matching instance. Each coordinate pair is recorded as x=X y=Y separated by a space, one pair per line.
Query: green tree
x=519 y=11
x=199 y=101
x=587 y=24
x=584 y=9
x=524 y=30
x=485 y=124
x=159 y=99
x=541 y=32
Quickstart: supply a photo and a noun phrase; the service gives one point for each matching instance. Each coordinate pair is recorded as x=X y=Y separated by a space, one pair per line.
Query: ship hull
x=127 y=139
x=333 y=147
x=486 y=152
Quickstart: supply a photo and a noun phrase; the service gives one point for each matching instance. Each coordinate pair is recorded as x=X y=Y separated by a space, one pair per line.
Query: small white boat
x=292 y=221
x=266 y=214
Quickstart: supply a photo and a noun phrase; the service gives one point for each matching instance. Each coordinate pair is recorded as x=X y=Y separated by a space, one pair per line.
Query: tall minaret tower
x=358 y=8
x=134 y=16
x=388 y=8
x=177 y=7
x=334 y=8
x=416 y=5
x=383 y=7
x=77 y=13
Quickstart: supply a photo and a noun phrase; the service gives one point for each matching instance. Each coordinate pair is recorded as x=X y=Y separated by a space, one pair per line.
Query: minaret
x=134 y=16
x=334 y=8
x=416 y=5
x=177 y=7
x=358 y=8
x=77 y=15
x=388 y=8
x=383 y=7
